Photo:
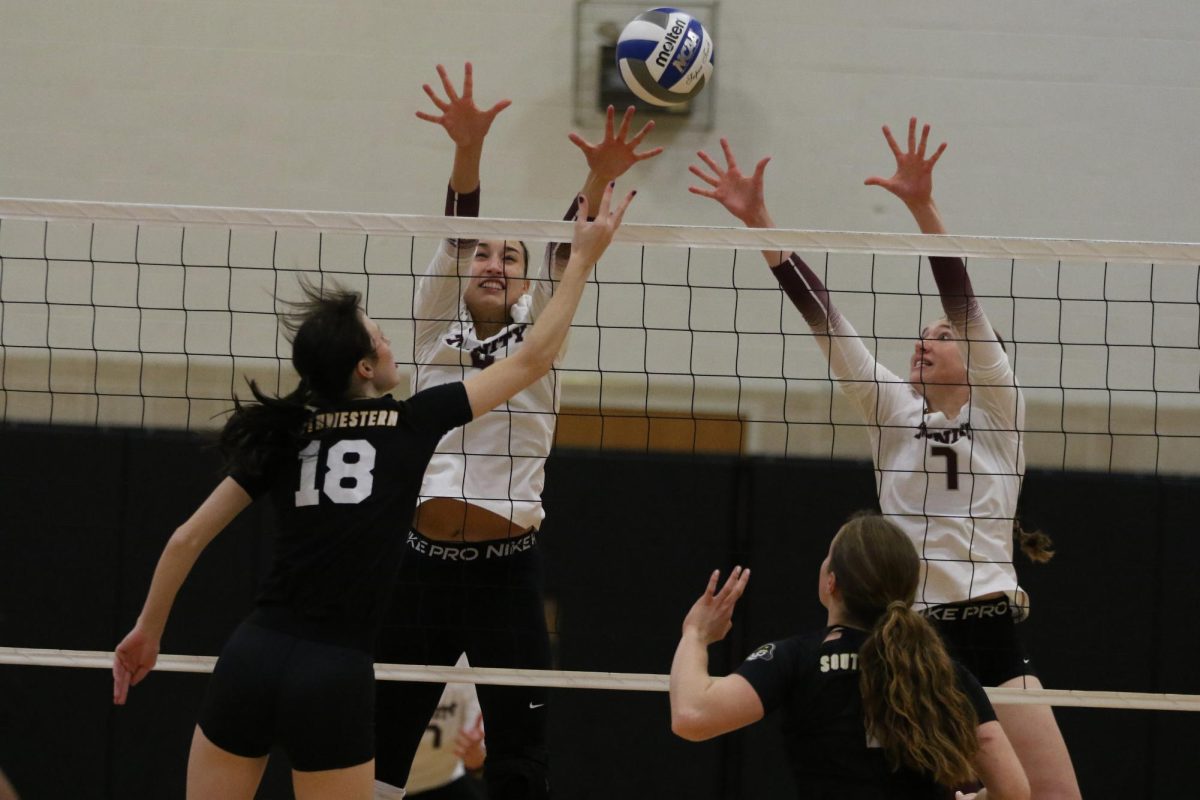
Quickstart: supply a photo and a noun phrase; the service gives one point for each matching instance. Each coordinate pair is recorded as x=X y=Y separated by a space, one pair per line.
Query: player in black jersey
x=342 y=461
x=873 y=705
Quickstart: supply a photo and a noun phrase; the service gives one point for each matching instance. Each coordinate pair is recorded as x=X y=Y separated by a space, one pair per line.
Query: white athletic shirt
x=497 y=461
x=435 y=764
x=951 y=484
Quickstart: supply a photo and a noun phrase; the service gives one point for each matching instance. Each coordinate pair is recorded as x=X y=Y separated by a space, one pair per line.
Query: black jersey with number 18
x=341 y=506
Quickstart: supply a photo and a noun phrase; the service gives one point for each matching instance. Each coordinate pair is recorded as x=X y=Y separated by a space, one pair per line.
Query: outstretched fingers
x=702 y=175
x=625 y=122
x=937 y=154
x=500 y=106
x=924 y=140
x=760 y=168
x=735 y=584
x=891 y=140
x=468 y=81
x=713 y=579
x=708 y=161
x=441 y=104
x=730 y=161
x=619 y=214
x=580 y=142
x=637 y=140
x=447 y=86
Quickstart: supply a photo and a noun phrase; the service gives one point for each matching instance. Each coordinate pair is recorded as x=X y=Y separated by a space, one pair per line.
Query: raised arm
x=703 y=706
x=465 y=124
x=849 y=360
x=138 y=651
x=499 y=382
x=438 y=296
x=988 y=369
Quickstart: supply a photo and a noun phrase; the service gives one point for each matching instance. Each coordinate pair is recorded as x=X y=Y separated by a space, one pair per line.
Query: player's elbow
x=691 y=724
x=186 y=539
x=535 y=361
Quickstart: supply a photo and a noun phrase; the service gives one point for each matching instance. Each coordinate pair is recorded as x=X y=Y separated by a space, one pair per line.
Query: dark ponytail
x=912 y=705
x=328 y=340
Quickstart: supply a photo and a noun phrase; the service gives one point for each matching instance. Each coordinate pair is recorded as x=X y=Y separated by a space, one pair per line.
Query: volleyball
x=665 y=56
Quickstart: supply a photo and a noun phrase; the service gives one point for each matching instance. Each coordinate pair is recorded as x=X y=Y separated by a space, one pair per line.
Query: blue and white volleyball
x=665 y=56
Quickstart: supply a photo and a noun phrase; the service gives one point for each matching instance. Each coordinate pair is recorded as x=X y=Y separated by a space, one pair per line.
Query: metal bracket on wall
x=597 y=81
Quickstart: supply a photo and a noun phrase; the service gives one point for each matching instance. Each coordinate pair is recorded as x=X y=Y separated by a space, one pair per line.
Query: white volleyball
x=665 y=56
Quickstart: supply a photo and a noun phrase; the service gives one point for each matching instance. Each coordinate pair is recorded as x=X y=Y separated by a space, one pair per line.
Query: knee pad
x=521 y=774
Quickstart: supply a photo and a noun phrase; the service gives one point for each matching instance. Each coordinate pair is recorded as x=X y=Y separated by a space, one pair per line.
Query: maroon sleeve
x=462 y=205
x=954 y=286
x=558 y=253
x=805 y=289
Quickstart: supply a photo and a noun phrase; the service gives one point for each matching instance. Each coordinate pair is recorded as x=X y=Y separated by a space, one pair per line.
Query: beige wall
x=1071 y=119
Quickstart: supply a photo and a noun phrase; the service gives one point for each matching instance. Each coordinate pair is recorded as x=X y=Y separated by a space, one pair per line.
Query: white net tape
x=540 y=230
x=558 y=679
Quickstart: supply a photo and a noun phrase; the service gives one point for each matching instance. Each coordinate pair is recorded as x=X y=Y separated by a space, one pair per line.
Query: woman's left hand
x=616 y=153
x=136 y=655
x=711 y=616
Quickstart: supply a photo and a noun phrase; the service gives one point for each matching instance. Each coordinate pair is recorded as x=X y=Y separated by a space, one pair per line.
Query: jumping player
x=472 y=576
x=341 y=460
x=947 y=449
x=873 y=705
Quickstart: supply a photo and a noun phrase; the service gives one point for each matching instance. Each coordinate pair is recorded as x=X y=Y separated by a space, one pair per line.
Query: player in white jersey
x=947 y=449
x=472 y=575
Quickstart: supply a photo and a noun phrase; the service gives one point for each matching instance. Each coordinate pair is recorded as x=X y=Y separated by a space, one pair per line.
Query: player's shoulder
x=789 y=650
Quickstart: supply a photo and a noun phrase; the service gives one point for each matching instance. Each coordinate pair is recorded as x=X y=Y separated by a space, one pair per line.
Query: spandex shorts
x=982 y=636
x=316 y=700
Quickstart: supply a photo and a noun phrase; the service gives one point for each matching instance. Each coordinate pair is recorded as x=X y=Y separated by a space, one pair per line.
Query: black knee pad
x=521 y=774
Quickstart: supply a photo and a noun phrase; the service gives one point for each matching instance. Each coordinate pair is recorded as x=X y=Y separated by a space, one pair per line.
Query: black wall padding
x=630 y=540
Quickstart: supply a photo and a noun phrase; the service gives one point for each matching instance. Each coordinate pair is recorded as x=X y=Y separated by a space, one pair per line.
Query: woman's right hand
x=913 y=179
x=711 y=616
x=592 y=238
x=742 y=195
x=466 y=124
x=136 y=655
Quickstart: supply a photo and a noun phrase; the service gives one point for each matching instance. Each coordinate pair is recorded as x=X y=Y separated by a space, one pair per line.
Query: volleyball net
x=153 y=317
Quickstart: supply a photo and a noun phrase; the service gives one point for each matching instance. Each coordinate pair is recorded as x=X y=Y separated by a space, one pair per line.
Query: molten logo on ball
x=665 y=56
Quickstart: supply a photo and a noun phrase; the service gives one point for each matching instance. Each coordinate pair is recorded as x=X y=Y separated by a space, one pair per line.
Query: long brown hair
x=912 y=705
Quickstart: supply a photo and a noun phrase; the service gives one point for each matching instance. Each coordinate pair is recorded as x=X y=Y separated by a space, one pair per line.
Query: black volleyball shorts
x=314 y=699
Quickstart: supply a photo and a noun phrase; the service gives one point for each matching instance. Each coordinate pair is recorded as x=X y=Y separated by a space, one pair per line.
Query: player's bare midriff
x=446 y=519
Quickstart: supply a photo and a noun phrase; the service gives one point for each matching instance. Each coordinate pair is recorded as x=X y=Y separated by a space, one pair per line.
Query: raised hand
x=592 y=237
x=913 y=181
x=742 y=195
x=711 y=616
x=610 y=158
x=466 y=124
x=136 y=655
